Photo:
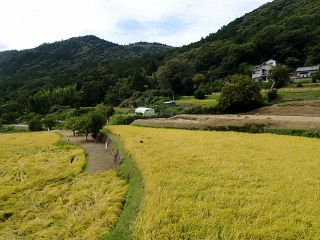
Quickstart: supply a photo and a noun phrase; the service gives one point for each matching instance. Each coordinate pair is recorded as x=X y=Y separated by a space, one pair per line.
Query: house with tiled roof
x=304 y=73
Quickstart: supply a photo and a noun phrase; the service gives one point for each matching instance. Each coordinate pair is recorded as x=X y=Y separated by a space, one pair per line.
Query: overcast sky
x=26 y=24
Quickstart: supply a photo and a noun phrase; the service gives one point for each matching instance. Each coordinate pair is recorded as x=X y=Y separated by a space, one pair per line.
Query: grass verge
x=127 y=170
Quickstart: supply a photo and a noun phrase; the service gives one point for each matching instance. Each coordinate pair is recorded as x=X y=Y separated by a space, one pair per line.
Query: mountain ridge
x=287 y=31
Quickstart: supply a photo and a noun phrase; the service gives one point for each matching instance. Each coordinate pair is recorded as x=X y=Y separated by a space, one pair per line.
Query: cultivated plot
x=224 y=185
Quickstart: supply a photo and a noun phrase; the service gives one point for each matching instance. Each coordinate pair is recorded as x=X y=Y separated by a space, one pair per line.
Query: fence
x=113 y=151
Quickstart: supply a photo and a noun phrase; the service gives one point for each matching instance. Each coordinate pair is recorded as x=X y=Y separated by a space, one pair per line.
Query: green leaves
x=239 y=94
x=176 y=75
x=279 y=74
x=90 y=122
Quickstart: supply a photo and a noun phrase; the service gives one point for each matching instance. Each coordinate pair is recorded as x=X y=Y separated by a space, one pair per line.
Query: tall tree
x=176 y=75
x=138 y=81
x=278 y=74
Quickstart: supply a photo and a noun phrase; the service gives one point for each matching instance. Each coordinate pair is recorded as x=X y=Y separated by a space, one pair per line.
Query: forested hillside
x=7 y=55
x=88 y=70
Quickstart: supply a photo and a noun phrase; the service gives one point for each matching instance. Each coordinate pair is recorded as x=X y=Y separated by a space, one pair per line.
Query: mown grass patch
x=224 y=185
x=210 y=100
x=44 y=196
x=300 y=94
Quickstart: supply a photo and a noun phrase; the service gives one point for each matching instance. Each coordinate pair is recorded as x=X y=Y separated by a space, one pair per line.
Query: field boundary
x=113 y=151
x=127 y=170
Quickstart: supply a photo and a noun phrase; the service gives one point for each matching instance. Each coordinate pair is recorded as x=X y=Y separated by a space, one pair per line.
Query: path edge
x=128 y=171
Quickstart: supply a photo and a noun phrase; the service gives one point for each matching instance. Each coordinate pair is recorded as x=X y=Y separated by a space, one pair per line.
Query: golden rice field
x=44 y=196
x=225 y=185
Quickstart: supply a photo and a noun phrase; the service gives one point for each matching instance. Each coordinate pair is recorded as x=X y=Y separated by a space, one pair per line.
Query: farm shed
x=145 y=111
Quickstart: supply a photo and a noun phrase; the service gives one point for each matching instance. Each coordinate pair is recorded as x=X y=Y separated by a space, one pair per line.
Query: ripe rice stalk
x=211 y=185
x=43 y=196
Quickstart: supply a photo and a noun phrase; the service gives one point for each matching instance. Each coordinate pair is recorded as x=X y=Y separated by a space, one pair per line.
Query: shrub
x=10 y=117
x=122 y=119
x=48 y=122
x=102 y=135
x=239 y=94
x=272 y=94
x=35 y=124
x=200 y=93
x=315 y=77
x=200 y=110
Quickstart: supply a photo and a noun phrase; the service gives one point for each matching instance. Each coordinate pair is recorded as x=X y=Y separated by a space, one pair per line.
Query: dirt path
x=98 y=159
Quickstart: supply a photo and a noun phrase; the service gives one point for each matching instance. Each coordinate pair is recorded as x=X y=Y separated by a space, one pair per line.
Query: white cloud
x=27 y=24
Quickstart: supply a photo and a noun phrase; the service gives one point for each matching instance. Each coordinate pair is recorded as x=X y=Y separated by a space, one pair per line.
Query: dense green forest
x=85 y=71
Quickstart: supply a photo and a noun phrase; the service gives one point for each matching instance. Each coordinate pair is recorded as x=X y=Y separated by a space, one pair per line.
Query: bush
x=102 y=135
x=200 y=110
x=294 y=132
x=28 y=117
x=315 y=77
x=200 y=93
x=122 y=119
x=239 y=94
x=272 y=94
x=48 y=122
x=81 y=111
x=10 y=117
x=35 y=125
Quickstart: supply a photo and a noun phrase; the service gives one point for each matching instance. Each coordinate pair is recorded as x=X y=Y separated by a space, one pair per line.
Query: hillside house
x=145 y=111
x=304 y=73
x=260 y=72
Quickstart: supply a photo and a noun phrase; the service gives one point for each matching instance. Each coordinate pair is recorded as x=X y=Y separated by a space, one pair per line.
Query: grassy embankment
x=44 y=196
x=309 y=92
x=224 y=185
x=127 y=170
x=298 y=94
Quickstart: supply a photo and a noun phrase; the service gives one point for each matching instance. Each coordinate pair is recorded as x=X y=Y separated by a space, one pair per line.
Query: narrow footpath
x=98 y=158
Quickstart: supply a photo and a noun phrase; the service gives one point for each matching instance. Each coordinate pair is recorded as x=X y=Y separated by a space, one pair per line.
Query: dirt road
x=98 y=159
x=298 y=115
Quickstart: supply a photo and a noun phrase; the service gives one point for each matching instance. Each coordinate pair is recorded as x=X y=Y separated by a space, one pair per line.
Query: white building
x=145 y=111
x=260 y=72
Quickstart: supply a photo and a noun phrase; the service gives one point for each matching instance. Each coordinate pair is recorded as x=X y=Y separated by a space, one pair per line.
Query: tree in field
x=35 y=124
x=279 y=75
x=71 y=124
x=83 y=125
x=200 y=93
x=97 y=121
x=90 y=122
x=106 y=111
x=48 y=122
x=238 y=94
